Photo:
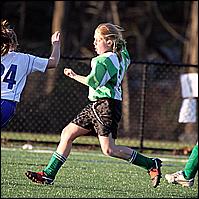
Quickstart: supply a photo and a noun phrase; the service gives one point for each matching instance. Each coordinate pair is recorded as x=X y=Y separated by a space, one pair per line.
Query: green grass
x=92 y=140
x=86 y=174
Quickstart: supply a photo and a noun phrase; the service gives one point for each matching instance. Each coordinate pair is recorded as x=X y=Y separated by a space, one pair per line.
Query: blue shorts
x=8 y=109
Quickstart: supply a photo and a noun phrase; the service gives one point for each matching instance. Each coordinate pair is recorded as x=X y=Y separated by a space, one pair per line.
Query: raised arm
x=55 y=55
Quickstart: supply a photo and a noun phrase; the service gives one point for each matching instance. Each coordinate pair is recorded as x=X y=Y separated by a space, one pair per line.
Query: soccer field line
x=177 y=159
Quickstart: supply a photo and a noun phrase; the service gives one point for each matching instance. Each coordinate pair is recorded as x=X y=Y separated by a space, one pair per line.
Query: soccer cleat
x=39 y=177
x=178 y=178
x=155 y=172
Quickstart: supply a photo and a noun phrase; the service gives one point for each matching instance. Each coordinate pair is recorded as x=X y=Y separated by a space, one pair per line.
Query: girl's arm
x=70 y=73
x=55 y=55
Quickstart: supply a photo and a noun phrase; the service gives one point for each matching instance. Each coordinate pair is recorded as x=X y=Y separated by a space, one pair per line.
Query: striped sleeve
x=102 y=71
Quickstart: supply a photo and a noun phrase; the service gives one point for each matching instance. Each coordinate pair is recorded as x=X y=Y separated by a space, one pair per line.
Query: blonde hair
x=8 y=38
x=112 y=32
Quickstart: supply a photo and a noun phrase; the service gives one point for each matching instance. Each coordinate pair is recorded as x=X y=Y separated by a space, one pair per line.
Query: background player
x=188 y=114
x=186 y=176
x=16 y=66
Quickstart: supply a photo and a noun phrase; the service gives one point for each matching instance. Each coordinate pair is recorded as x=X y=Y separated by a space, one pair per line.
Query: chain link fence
x=151 y=105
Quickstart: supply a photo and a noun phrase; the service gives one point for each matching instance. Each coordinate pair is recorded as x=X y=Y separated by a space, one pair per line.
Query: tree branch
x=165 y=24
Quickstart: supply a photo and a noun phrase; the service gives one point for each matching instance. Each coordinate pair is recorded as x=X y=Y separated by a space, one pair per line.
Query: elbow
x=52 y=63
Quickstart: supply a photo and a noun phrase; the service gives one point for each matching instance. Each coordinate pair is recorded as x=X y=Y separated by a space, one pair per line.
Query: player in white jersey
x=16 y=66
x=102 y=115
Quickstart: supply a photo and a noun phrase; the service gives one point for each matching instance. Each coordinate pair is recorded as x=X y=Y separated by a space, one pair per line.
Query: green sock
x=141 y=160
x=54 y=165
x=191 y=166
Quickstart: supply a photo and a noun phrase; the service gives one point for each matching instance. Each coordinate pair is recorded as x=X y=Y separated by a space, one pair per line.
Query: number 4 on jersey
x=10 y=75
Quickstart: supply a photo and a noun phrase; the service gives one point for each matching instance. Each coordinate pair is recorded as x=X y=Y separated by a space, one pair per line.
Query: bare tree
x=22 y=12
x=94 y=10
x=190 y=54
x=165 y=24
x=126 y=99
x=60 y=8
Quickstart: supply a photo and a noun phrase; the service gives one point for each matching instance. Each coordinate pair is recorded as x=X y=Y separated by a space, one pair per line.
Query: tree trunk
x=126 y=101
x=190 y=56
x=58 y=17
x=22 y=18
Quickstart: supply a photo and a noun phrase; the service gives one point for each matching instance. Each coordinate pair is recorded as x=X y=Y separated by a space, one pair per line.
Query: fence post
x=142 y=105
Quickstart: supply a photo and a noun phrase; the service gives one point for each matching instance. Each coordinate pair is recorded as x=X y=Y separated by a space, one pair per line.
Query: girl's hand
x=69 y=72
x=55 y=37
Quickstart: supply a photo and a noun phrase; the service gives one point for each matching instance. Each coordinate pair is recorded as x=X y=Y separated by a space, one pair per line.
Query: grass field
x=92 y=140
x=87 y=174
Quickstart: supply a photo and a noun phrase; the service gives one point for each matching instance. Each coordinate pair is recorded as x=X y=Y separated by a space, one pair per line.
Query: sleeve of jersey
x=38 y=63
x=96 y=76
x=100 y=74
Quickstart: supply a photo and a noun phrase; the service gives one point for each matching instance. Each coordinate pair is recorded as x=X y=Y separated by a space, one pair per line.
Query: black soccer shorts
x=100 y=117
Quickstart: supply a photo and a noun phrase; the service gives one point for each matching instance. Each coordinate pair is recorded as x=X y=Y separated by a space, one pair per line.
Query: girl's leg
x=191 y=166
x=126 y=153
x=151 y=165
x=69 y=134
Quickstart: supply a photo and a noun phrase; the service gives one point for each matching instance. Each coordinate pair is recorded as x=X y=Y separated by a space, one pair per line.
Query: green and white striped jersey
x=106 y=75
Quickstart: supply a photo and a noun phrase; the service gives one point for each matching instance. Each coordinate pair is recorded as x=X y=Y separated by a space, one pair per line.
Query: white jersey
x=15 y=67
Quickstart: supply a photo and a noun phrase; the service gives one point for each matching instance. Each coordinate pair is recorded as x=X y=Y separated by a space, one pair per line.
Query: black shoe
x=39 y=177
x=155 y=172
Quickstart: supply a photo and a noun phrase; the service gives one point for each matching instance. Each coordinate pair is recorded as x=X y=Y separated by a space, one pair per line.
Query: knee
x=65 y=135
x=108 y=151
x=64 y=131
x=70 y=132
